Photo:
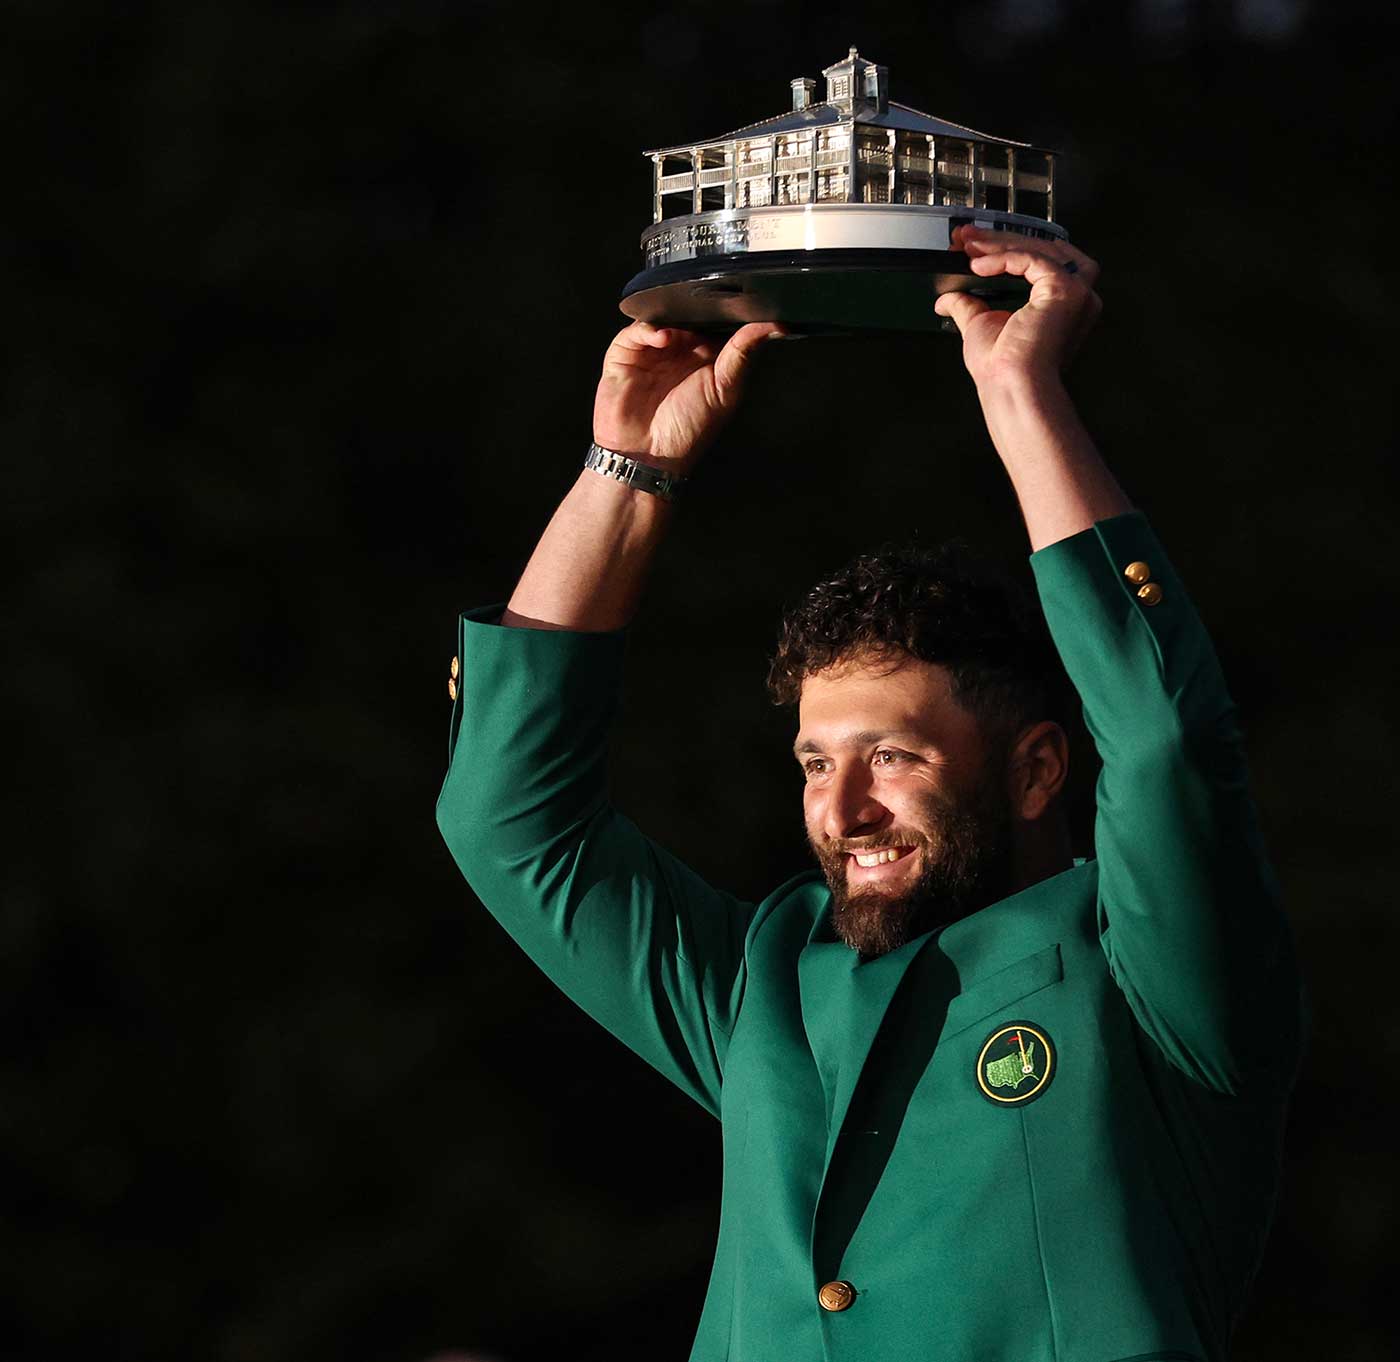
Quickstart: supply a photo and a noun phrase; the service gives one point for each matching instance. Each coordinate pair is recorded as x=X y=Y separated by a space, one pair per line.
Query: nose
x=850 y=808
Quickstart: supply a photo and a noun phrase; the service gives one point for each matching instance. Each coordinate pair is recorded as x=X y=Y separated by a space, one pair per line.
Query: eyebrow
x=863 y=738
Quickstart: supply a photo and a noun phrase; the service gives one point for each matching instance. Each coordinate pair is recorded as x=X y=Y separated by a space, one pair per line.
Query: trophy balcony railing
x=994 y=176
x=796 y=169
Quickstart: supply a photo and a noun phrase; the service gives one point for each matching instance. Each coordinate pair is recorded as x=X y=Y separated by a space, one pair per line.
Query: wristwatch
x=643 y=477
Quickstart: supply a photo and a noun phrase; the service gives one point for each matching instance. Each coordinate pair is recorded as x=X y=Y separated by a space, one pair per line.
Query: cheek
x=910 y=803
x=815 y=804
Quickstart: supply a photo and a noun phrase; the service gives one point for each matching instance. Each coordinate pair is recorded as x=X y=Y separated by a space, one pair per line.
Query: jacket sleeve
x=1189 y=913
x=636 y=939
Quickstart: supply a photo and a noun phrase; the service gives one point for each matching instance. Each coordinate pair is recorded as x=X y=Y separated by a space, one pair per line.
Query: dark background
x=305 y=309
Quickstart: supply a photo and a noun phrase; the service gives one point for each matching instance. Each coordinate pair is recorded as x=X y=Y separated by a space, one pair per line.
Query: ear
x=1036 y=769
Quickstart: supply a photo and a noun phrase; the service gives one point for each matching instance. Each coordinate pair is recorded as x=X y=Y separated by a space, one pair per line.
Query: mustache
x=862 y=846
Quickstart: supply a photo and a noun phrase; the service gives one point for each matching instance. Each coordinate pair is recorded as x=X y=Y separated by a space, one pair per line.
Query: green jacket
x=1048 y=1132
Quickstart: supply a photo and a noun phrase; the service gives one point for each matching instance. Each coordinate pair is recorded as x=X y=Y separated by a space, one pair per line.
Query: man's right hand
x=665 y=393
x=663 y=396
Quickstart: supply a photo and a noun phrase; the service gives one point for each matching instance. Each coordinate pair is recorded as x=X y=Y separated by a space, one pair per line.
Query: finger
x=961 y=308
x=644 y=336
x=980 y=241
x=640 y=335
x=738 y=351
x=677 y=338
x=1033 y=266
x=633 y=344
x=968 y=235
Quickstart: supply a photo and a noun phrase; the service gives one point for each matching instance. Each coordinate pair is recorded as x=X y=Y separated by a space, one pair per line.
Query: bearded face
x=906 y=800
x=963 y=849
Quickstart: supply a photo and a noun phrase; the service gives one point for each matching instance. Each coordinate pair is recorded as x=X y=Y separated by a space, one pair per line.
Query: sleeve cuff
x=584 y=670
x=1127 y=632
x=1118 y=563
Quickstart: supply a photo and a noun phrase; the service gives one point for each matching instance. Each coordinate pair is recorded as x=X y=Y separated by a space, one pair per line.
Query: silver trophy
x=837 y=215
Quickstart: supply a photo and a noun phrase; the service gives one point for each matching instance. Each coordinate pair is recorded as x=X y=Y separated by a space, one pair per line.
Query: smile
x=881 y=857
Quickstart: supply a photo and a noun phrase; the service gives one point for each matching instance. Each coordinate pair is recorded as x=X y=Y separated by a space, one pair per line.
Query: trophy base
x=813 y=291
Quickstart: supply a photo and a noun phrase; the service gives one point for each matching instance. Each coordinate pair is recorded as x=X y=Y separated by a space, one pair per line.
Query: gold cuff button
x=451 y=689
x=1137 y=573
x=456 y=668
x=837 y=1296
x=1150 y=593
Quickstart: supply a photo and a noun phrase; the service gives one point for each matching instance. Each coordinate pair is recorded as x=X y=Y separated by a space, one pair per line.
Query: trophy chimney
x=857 y=81
x=803 y=88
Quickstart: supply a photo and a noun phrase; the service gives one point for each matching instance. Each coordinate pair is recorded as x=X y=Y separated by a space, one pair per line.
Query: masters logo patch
x=1016 y=1064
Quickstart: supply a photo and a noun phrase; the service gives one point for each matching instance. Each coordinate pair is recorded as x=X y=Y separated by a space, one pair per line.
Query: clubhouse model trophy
x=834 y=216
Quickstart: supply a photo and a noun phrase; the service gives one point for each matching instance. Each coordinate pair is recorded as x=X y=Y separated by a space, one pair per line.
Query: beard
x=964 y=850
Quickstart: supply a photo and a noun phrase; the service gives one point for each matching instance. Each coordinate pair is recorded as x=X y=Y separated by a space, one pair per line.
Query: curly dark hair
x=943 y=605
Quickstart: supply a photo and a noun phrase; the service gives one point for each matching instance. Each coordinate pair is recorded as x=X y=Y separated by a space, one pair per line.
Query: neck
x=1039 y=850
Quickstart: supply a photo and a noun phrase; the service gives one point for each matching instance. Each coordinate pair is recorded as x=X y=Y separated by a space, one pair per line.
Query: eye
x=815 y=766
x=889 y=756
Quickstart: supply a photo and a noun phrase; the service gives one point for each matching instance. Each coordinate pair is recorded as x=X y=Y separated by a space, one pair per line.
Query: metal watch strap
x=642 y=476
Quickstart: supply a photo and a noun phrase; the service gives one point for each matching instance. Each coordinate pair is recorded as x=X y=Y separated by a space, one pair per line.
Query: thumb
x=961 y=307
x=732 y=362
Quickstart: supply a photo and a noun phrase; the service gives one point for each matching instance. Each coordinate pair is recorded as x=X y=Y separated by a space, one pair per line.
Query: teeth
x=880 y=857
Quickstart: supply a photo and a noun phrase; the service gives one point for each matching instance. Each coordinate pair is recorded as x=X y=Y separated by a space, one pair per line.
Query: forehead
x=862 y=697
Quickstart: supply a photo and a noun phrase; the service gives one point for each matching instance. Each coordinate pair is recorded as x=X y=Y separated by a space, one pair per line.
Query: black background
x=306 y=305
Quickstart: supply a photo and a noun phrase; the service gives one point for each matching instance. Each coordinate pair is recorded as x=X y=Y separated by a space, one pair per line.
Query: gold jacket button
x=1150 y=593
x=1137 y=573
x=451 y=689
x=837 y=1296
x=455 y=670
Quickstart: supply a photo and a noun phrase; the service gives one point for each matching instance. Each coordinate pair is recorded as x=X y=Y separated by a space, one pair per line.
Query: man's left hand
x=1039 y=339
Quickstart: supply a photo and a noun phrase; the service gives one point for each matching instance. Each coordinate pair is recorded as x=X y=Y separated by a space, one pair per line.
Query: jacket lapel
x=843 y=1004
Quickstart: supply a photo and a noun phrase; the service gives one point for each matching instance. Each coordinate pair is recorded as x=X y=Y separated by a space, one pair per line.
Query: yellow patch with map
x=1016 y=1064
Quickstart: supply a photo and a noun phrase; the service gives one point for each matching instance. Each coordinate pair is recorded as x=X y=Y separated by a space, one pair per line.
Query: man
x=979 y=1102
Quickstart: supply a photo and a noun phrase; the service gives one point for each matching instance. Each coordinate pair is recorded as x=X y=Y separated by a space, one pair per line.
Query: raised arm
x=1016 y=360
x=663 y=396
x=1188 y=909
x=633 y=936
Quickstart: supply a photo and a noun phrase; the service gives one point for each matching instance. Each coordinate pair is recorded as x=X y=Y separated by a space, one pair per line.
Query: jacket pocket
x=998 y=991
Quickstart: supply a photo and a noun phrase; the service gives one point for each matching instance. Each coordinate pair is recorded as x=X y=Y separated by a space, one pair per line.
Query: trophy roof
x=898 y=116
